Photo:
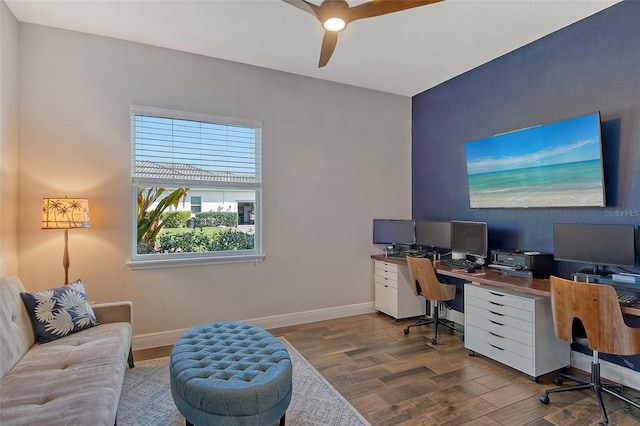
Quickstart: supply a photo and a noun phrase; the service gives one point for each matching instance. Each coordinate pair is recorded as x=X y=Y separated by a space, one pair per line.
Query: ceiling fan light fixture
x=334 y=24
x=334 y=15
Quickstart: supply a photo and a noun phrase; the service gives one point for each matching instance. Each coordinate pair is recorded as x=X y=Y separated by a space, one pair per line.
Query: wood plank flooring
x=397 y=379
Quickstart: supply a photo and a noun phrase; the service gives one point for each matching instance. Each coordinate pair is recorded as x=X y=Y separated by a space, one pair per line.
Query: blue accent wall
x=592 y=65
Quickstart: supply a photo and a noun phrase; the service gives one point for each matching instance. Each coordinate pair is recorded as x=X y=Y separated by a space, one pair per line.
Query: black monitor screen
x=597 y=244
x=469 y=238
x=393 y=231
x=433 y=234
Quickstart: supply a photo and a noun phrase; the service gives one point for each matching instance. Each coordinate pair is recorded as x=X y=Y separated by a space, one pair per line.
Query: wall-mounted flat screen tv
x=556 y=164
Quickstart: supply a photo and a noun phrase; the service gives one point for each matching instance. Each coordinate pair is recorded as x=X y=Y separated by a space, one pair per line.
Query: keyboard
x=459 y=263
x=626 y=300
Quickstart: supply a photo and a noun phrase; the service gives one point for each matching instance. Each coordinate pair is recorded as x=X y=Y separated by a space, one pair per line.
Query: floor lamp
x=65 y=213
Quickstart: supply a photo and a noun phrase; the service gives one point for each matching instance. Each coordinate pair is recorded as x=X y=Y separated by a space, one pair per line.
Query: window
x=189 y=174
x=196 y=204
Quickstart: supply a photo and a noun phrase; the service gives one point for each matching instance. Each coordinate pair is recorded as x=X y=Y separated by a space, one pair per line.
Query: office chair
x=424 y=282
x=590 y=314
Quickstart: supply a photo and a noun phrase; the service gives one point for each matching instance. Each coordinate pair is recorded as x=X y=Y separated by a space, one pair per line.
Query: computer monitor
x=597 y=244
x=468 y=238
x=433 y=234
x=393 y=231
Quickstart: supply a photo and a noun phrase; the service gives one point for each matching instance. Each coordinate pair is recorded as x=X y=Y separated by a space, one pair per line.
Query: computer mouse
x=471 y=269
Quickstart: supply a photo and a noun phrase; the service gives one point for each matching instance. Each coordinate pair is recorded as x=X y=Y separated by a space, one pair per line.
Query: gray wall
x=327 y=153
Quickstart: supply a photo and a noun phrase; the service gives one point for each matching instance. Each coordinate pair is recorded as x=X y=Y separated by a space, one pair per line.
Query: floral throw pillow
x=60 y=311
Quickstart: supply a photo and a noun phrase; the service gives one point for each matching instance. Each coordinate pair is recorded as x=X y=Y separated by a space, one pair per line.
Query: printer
x=523 y=263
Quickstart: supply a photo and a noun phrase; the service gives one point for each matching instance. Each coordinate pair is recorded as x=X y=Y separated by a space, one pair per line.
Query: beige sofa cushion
x=76 y=377
x=16 y=333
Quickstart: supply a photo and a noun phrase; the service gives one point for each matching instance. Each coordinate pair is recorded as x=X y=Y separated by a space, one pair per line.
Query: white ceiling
x=403 y=53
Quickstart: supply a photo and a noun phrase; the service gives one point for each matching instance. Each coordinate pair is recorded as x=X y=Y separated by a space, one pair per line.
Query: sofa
x=73 y=380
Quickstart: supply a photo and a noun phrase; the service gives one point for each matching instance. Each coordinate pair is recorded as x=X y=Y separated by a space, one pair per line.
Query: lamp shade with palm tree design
x=65 y=213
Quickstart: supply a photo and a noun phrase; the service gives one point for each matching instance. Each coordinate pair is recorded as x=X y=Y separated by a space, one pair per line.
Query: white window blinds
x=195 y=150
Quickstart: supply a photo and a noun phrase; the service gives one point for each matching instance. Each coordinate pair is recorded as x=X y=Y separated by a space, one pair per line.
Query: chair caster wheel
x=544 y=398
x=434 y=341
x=557 y=381
x=406 y=330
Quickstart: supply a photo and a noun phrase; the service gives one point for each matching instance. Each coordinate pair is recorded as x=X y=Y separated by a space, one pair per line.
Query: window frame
x=164 y=260
x=199 y=204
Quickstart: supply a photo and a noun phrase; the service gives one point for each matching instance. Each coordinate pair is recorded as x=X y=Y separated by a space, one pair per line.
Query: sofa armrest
x=113 y=312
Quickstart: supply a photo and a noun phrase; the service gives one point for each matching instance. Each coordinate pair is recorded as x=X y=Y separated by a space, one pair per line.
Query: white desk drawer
x=515 y=329
x=498 y=353
x=501 y=297
x=393 y=293
x=386 y=281
x=496 y=328
x=386 y=270
x=499 y=307
x=500 y=342
x=481 y=314
x=386 y=299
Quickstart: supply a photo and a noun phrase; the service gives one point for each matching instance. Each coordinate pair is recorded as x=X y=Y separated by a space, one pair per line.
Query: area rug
x=146 y=397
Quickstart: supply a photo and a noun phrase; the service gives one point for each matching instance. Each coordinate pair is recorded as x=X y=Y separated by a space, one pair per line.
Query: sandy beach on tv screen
x=572 y=198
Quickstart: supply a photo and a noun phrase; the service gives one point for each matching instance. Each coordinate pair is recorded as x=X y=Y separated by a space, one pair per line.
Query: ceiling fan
x=334 y=15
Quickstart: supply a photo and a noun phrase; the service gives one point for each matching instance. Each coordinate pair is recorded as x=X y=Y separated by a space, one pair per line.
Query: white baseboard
x=608 y=370
x=166 y=338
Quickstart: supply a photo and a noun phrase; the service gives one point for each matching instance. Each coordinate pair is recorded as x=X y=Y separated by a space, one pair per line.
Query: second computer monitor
x=469 y=238
x=433 y=234
x=597 y=244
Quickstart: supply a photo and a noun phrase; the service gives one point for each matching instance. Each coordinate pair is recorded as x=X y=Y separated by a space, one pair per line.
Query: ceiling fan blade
x=304 y=5
x=328 y=45
x=383 y=7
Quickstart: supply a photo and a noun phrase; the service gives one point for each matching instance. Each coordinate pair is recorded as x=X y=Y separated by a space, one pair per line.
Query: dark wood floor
x=397 y=379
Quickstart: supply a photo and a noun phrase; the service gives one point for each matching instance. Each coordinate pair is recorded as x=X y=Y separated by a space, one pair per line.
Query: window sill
x=193 y=261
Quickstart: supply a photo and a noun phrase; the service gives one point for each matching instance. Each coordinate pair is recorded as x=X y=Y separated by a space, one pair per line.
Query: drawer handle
x=494 y=346
x=494 y=322
x=496 y=335
x=496 y=294
x=497 y=313
x=495 y=303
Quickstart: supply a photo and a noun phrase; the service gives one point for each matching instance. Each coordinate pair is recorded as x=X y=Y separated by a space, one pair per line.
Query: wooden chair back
x=423 y=274
x=597 y=307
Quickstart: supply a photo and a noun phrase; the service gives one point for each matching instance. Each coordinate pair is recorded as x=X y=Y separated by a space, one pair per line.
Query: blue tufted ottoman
x=230 y=373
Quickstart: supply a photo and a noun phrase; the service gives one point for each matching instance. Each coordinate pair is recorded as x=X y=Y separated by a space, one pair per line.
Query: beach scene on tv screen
x=552 y=165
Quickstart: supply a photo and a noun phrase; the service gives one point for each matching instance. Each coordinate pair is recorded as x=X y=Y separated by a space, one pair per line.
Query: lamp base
x=65 y=257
